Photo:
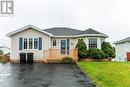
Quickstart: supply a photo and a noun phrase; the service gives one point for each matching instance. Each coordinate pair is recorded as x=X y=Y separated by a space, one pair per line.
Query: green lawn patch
x=108 y=74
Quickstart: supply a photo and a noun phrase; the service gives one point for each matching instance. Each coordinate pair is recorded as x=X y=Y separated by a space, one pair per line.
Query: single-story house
x=5 y=49
x=122 y=48
x=51 y=44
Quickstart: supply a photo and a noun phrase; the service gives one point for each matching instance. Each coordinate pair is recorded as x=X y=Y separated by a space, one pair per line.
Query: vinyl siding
x=29 y=33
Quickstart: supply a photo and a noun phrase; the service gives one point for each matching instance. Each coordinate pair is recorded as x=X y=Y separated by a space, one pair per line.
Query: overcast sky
x=111 y=17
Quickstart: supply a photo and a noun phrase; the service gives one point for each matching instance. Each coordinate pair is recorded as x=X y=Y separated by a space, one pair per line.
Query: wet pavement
x=42 y=75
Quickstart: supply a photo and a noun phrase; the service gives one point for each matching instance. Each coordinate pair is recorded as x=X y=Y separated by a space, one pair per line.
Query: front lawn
x=108 y=74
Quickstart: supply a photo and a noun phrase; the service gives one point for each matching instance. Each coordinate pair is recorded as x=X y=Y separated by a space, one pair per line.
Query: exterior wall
x=55 y=55
x=73 y=42
x=54 y=52
x=49 y=52
x=99 y=41
x=29 y=33
x=121 y=50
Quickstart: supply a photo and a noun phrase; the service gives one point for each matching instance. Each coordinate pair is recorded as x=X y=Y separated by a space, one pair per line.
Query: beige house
x=51 y=44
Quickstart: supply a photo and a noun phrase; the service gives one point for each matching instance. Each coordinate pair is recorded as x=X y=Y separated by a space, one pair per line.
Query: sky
x=111 y=17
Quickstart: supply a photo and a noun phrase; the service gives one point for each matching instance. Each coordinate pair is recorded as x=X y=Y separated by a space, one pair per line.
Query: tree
x=108 y=49
x=1 y=52
x=82 y=49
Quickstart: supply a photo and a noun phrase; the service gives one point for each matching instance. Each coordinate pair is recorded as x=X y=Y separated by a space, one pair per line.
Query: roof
x=92 y=32
x=4 y=47
x=123 y=40
x=25 y=28
x=62 y=31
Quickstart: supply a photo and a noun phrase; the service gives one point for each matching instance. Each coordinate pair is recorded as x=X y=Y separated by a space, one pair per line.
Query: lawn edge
x=86 y=73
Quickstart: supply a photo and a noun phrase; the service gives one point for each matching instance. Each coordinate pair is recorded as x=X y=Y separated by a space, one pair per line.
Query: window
x=35 y=43
x=54 y=42
x=63 y=46
x=92 y=43
x=25 y=43
x=102 y=40
x=30 y=43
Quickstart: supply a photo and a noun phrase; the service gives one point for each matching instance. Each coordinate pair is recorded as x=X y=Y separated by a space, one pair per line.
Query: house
x=51 y=44
x=122 y=48
x=5 y=49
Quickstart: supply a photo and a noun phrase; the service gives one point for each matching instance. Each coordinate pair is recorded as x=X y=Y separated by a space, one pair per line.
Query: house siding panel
x=29 y=33
x=121 y=51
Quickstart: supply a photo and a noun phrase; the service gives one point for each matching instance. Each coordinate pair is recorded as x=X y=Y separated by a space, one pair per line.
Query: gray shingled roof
x=90 y=31
x=62 y=31
x=123 y=40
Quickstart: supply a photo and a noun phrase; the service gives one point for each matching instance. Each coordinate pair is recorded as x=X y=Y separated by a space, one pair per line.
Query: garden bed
x=95 y=60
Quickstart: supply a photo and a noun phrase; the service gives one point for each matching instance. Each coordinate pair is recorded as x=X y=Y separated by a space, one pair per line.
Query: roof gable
x=92 y=32
x=123 y=40
x=25 y=28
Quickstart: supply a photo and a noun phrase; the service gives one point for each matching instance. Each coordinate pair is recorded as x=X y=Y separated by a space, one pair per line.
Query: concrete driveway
x=42 y=75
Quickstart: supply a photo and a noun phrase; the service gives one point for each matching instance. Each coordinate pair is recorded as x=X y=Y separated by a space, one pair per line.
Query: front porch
x=52 y=55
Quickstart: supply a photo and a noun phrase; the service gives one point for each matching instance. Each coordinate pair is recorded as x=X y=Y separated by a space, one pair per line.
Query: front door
x=128 y=56
x=64 y=46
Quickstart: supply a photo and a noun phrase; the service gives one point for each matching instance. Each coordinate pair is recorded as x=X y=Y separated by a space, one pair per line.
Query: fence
x=5 y=59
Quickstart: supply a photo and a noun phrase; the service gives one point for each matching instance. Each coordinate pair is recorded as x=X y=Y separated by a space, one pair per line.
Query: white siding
x=29 y=33
x=121 y=50
x=73 y=42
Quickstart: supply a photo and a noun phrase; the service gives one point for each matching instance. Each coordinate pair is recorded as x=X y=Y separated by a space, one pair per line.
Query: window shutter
x=40 y=43
x=20 y=43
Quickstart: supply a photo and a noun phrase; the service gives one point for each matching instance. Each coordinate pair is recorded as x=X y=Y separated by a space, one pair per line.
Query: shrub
x=96 y=53
x=1 y=52
x=82 y=49
x=1 y=58
x=67 y=60
x=108 y=50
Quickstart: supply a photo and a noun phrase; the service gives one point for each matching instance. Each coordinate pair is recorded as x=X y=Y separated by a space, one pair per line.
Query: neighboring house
x=5 y=49
x=122 y=48
x=51 y=44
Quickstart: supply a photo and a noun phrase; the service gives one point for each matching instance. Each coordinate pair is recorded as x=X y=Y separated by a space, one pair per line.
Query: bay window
x=92 y=43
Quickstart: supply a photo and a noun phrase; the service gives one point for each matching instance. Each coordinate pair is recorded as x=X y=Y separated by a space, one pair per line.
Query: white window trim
x=32 y=43
x=65 y=47
x=92 y=37
x=37 y=43
x=23 y=43
x=52 y=42
x=28 y=44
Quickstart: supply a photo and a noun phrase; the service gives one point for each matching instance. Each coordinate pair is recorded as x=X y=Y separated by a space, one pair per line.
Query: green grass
x=108 y=74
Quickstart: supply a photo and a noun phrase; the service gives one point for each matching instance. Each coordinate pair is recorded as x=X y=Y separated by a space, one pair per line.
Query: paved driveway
x=42 y=75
